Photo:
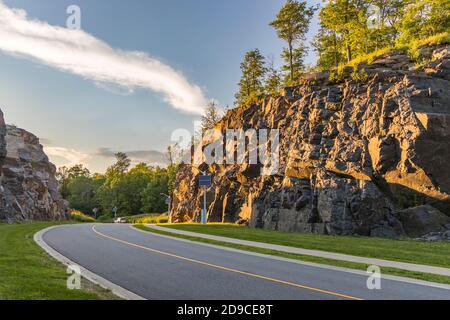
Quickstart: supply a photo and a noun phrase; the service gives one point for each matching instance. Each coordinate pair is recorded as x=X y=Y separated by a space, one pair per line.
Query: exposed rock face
x=28 y=187
x=354 y=156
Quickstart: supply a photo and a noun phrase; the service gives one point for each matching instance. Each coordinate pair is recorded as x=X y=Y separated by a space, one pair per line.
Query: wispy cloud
x=151 y=157
x=70 y=157
x=82 y=54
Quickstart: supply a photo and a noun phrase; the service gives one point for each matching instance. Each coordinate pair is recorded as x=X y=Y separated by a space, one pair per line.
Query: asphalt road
x=160 y=268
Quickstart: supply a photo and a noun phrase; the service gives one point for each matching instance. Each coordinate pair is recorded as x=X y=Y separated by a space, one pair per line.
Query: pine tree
x=211 y=117
x=251 y=85
x=292 y=25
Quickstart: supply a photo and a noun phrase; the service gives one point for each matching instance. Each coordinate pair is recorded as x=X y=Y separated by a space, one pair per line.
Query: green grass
x=326 y=261
x=420 y=252
x=412 y=49
x=28 y=273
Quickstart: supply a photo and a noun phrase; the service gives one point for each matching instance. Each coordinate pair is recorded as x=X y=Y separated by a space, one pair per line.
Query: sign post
x=168 y=201
x=204 y=181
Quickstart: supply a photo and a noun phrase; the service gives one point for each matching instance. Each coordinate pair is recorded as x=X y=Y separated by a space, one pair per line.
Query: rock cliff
x=28 y=187
x=364 y=155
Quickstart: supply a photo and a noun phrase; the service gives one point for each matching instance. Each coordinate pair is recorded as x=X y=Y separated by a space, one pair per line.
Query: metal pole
x=204 y=207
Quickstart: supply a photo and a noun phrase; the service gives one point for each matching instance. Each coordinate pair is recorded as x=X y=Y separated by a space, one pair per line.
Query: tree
x=424 y=18
x=211 y=117
x=292 y=25
x=329 y=48
x=152 y=200
x=273 y=81
x=81 y=194
x=118 y=169
x=348 y=20
x=384 y=17
x=65 y=175
x=251 y=85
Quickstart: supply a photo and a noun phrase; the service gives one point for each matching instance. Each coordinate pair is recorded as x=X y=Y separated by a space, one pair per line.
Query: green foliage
x=353 y=31
x=148 y=219
x=211 y=117
x=274 y=81
x=251 y=85
x=132 y=191
x=424 y=18
x=359 y=74
x=106 y=218
x=80 y=192
x=292 y=25
x=65 y=175
x=79 y=216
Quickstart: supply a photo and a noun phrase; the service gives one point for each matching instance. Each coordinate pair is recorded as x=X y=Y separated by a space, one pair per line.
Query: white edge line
x=85 y=273
x=311 y=264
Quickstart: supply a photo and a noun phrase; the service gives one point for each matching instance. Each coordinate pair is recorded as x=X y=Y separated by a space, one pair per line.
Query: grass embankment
x=28 y=273
x=411 y=49
x=406 y=251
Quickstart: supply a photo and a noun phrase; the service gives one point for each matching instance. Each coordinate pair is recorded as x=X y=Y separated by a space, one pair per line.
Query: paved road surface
x=157 y=268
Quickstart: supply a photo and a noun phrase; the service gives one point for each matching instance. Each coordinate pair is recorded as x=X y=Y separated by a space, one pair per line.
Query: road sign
x=205 y=181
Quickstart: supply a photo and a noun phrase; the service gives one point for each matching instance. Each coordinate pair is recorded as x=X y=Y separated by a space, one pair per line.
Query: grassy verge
x=326 y=261
x=410 y=251
x=28 y=273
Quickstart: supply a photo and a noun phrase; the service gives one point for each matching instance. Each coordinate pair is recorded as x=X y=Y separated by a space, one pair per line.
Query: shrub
x=147 y=219
x=80 y=216
x=105 y=218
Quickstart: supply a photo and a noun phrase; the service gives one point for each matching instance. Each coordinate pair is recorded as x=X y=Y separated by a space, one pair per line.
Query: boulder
x=423 y=220
x=29 y=189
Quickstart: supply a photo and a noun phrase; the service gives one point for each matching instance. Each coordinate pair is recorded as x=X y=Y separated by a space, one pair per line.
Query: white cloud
x=70 y=157
x=82 y=54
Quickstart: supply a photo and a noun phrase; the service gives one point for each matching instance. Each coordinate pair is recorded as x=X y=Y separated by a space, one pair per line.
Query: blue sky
x=201 y=42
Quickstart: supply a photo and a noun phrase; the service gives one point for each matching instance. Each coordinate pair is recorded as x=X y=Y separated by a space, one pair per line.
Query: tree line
x=349 y=29
x=132 y=190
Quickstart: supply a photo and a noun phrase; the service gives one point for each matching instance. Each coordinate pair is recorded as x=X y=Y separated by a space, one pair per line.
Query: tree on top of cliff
x=211 y=117
x=348 y=19
x=292 y=25
x=251 y=85
x=273 y=84
x=352 y=29
x=424 y=18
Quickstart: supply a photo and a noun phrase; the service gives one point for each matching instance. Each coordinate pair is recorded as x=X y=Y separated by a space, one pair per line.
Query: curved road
x=157 y=267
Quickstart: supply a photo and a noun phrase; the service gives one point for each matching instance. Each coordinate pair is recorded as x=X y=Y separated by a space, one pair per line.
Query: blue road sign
x=205 y=181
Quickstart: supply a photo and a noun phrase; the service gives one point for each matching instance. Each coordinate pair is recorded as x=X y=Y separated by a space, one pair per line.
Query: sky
x=136 y=70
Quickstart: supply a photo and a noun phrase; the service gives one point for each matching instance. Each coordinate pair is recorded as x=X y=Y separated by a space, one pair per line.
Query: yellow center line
x=225 y=268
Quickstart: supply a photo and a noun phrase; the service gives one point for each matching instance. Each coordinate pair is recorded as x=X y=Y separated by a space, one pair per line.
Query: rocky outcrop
x=28 y=187
x=354 y=156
